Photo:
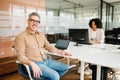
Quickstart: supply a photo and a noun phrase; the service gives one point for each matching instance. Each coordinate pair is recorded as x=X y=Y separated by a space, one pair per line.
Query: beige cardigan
x=99 y=35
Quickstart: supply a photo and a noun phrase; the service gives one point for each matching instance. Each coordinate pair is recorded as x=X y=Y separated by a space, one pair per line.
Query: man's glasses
x=37 y=21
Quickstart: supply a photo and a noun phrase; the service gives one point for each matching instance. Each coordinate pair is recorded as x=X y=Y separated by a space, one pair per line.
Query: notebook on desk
x=62 y=44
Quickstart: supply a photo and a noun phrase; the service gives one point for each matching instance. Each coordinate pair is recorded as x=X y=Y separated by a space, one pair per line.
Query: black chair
x=109 y=37
x=112 y=36
x=117 y=34
x=24 y=71
x=108 y=32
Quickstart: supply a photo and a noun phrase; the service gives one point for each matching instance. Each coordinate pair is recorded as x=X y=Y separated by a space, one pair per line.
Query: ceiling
x=71 y=4
x=112 y=1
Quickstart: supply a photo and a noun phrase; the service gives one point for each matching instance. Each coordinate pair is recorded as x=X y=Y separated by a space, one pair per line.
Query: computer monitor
x=80 y=36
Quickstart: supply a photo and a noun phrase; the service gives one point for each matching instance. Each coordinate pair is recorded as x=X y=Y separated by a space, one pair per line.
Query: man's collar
x=32 y=32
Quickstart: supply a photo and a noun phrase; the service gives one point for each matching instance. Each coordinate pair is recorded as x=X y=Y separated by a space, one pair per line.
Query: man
x=30 y=45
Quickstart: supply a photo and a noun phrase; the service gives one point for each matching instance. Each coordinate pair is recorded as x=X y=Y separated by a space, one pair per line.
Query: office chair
x=24 y=71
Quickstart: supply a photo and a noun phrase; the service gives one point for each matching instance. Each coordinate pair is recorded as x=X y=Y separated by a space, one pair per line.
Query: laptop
x=62 y=44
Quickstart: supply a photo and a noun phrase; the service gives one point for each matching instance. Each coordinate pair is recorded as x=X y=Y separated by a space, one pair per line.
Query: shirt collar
x=31 y=32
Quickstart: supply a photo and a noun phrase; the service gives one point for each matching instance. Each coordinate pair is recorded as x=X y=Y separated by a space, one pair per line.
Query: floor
x=72 y=74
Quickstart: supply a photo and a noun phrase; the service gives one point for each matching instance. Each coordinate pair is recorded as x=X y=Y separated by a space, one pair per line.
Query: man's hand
x=36 y=70
x=64 y=53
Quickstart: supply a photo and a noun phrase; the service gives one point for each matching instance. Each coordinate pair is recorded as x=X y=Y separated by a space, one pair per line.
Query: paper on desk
x=81 y=51
x=112 y=51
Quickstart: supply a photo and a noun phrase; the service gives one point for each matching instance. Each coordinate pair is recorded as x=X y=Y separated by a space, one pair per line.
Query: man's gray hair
x=34 y=14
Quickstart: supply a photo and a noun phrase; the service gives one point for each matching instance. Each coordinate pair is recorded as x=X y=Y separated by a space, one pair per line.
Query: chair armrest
x=49 y=57
x=27 y=68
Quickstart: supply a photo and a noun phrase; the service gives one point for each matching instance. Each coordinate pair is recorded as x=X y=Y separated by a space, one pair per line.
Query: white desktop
x=100 y=54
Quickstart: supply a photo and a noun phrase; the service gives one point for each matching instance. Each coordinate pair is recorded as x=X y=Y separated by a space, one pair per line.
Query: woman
x=96 y=36
x=96 y=33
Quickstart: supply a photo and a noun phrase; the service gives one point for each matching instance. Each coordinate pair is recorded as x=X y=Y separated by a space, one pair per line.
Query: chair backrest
x=22 y=71
x=108 y=32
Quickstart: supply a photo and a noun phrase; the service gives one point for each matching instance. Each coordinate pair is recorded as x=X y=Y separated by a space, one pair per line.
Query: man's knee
x=55 y=76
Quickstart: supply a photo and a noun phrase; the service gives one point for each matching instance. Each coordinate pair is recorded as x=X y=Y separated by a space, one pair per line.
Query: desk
x=100 y=54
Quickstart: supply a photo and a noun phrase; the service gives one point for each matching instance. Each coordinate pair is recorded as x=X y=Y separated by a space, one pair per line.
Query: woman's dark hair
x=97 y=21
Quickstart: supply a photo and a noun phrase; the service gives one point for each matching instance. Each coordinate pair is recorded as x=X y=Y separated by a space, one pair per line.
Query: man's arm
x=20 y=48
x=54 y=49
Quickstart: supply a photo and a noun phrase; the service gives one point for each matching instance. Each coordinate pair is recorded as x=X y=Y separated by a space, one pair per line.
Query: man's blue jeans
x=52 y=69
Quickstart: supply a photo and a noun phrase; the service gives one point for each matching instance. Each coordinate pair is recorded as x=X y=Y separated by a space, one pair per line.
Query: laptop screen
x=62 y=44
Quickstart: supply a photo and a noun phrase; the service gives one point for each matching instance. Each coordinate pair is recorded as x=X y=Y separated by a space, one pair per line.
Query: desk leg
x=82 y=71
x=98 y=72
x=68 y=63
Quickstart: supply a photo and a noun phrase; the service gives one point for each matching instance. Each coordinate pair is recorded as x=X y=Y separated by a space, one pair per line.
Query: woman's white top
x=97 y=35
x=93 y=35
